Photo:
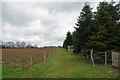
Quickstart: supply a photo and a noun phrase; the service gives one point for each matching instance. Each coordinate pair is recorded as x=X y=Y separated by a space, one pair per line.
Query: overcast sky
x=40 y=23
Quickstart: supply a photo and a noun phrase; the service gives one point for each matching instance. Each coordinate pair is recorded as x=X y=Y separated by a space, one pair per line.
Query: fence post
x=44 y=57
x=105 y=59
x=91 y=52
x=49 y=53
x=31 y=62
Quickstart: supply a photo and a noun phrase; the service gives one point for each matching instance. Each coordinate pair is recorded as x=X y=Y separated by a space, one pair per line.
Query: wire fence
x=102 y=57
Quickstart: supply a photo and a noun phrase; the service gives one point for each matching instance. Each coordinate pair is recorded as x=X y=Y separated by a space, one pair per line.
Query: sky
x=42 y=23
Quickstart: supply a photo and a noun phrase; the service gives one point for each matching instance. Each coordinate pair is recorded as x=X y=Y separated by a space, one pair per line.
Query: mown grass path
x=64 y=64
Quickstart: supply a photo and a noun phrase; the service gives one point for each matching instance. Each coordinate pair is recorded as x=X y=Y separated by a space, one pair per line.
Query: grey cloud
x=55 y=7
x=19 y=17
x=39 y=23
x=12 y=16
x=16 y=13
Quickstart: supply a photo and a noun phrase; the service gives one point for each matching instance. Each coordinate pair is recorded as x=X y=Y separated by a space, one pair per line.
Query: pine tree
x=117 y=37
x=83 y=29
x=106 y=20
x=68 y=40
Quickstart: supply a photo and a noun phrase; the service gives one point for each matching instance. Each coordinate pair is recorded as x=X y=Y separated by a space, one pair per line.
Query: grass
x=63 y=64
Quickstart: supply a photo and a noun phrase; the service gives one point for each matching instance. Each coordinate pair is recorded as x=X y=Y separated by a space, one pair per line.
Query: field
x=17 y=59
x=60 y=64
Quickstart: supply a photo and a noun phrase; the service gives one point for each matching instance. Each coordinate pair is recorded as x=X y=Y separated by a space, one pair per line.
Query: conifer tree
x=107 y=27
x=83 y=28
x=68 y=40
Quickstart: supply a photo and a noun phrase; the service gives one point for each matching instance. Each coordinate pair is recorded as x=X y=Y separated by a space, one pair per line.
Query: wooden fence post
x=105 y=59
x=31 y=62
x=44 y=56
x=91 y=52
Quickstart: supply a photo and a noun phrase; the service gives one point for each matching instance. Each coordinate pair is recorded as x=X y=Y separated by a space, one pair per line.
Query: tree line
x=98 y=30
x=19 y=44
x=16 y=45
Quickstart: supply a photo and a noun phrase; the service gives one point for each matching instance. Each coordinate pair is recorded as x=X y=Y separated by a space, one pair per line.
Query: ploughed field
x=17 y=59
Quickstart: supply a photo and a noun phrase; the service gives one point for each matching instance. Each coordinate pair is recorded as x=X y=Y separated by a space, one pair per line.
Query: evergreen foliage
x=107 y=34
x=68 y=40
x=98 y=30
x=83 y=29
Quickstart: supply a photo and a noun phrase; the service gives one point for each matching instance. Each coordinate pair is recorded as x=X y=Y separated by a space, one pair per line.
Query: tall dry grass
x=25 y=57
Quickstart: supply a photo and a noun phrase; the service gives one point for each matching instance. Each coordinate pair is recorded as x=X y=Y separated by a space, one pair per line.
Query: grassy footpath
x=63 y=64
